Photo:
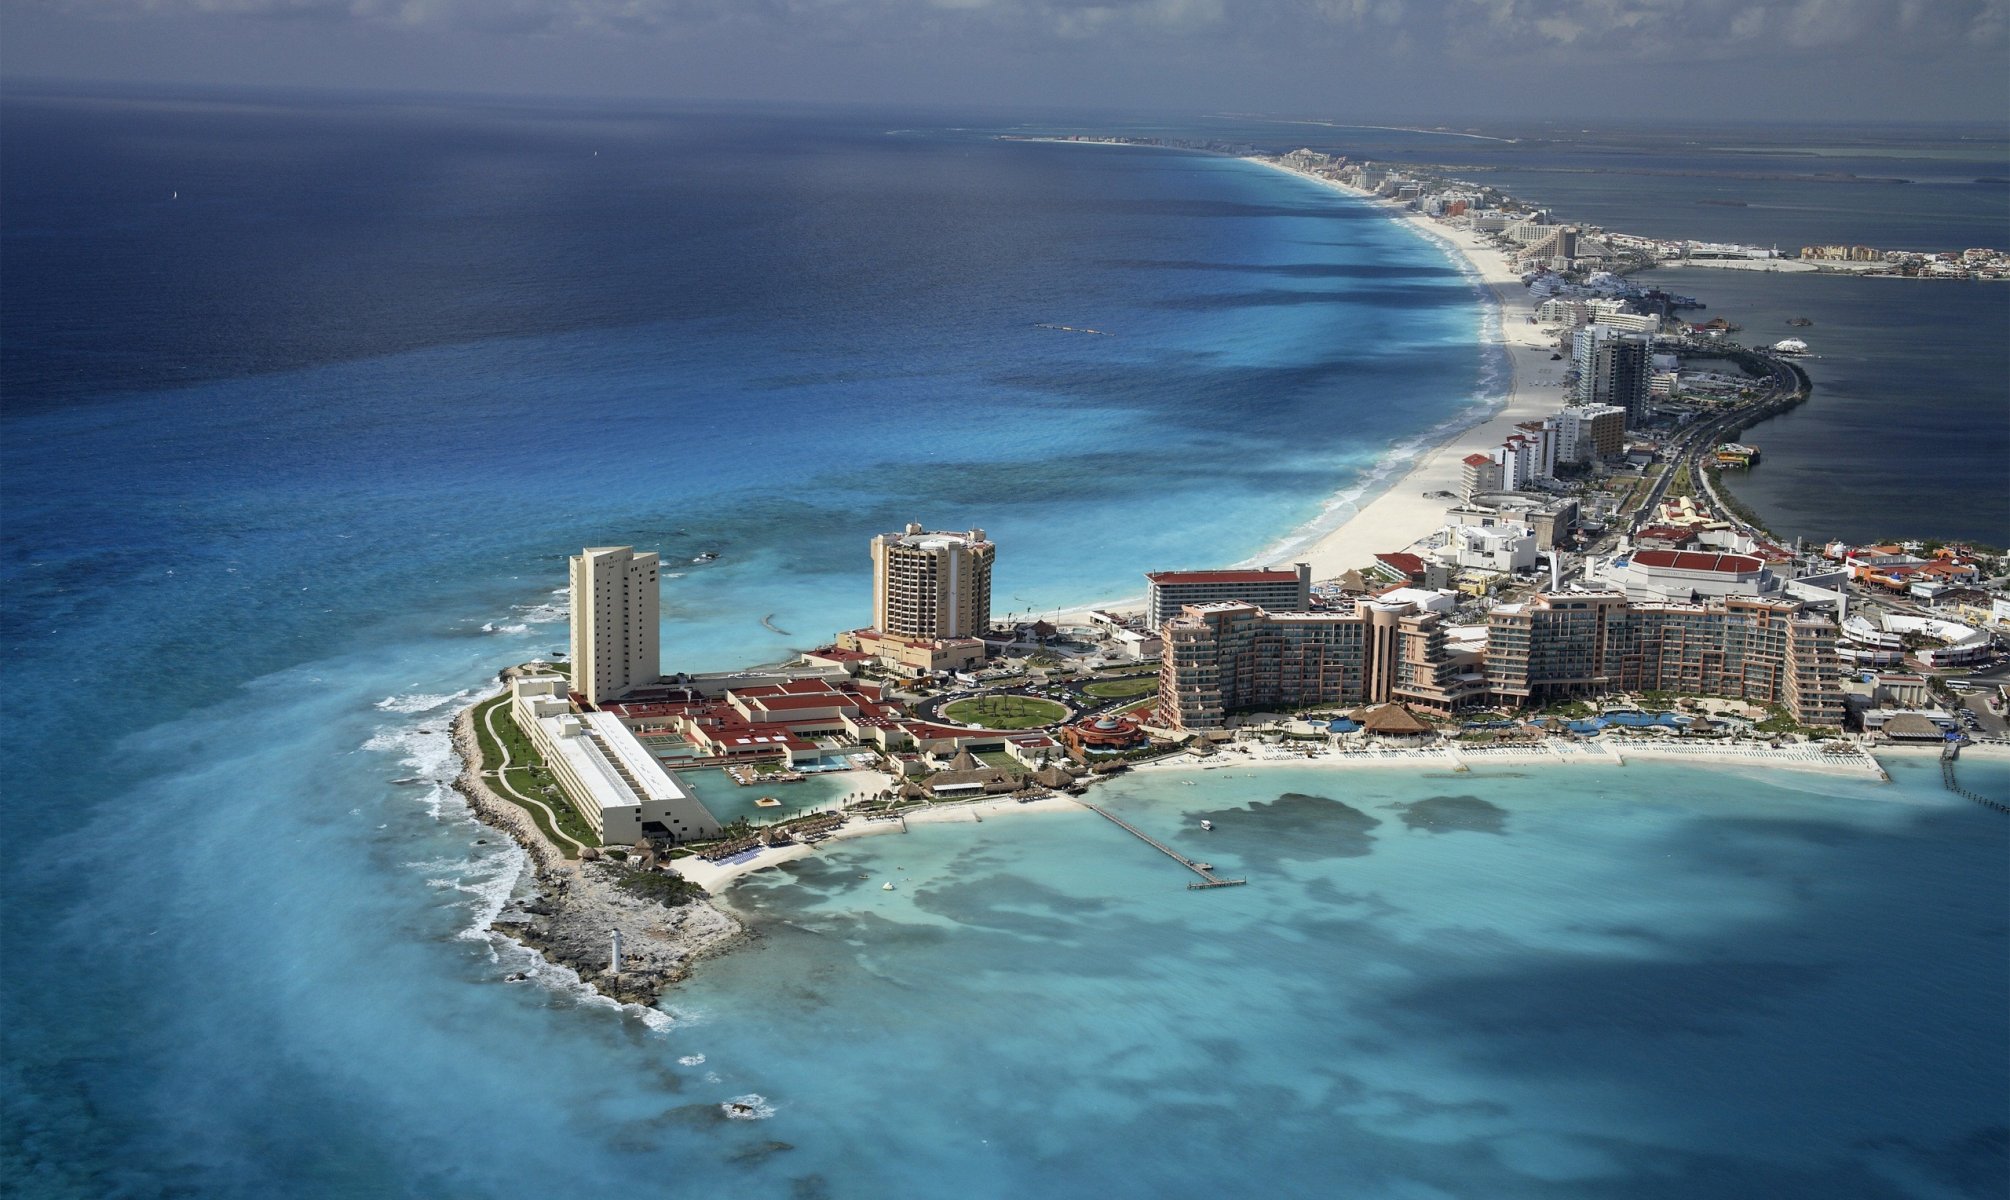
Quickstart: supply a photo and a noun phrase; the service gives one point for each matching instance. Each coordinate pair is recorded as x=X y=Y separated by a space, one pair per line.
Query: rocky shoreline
x=579 y=904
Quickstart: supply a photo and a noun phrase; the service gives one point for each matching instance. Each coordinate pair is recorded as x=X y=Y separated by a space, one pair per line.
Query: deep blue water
x=306 y=402
x=1907 y=433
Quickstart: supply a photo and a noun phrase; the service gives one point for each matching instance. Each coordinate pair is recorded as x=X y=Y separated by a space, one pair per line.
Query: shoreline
x=578 y=902
x=567 y=922
x=1390 y=511
x=1394 y=515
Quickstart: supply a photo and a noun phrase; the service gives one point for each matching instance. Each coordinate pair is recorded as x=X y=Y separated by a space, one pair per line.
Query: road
x=1704 y=436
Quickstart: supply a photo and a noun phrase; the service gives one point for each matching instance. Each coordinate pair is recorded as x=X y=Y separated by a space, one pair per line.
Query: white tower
x=617 y=611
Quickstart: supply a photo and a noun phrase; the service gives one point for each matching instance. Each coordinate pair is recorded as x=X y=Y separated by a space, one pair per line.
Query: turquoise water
x=1566 y=982
x=292 y=464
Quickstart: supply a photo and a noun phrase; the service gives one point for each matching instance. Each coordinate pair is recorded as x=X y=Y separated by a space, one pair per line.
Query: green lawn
x=1006 y=712
x=1123 y=689
x=528 y=775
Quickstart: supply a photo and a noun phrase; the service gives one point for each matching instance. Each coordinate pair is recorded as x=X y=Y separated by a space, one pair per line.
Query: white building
x=611 y=778
x=1688 y=576
x=1627 y=322
x=1502 y=549
x=617 y=616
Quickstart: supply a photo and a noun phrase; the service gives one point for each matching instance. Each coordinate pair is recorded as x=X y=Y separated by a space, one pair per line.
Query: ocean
x=306 y=401
x=1907 y=431
x=1910 y=424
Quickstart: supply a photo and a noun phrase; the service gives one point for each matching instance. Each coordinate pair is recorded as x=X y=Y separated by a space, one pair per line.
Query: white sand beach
x=1400 y=515
x=714 y=876
x=1451 y=756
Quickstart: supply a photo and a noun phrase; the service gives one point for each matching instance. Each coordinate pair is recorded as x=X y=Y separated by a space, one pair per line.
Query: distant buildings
x=616 y=622
x=1590 y=433
x=931 y=585
x=1613 y=368
x=1169 y=592
x=1567 y=645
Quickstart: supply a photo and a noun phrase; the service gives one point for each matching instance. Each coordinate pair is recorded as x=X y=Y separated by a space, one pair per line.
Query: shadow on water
x=1295 y=827
x=1454 y=814
x=1388 y=296
x=1291 y=270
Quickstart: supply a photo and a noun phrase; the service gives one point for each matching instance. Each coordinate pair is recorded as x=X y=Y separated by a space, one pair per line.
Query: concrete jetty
x=1208 y=878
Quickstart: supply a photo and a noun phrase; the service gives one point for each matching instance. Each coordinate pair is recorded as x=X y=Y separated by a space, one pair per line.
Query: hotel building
x=1231 y=656
x=931 y=586
x=616 y=784
x=1566 y=645
x=1169 y=592
x=1612 y=368
x=617 y=617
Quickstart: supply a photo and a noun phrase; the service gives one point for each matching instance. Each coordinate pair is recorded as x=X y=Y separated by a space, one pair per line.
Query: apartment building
x=1230 y=656
x=1277 y=589
x=1566 y=645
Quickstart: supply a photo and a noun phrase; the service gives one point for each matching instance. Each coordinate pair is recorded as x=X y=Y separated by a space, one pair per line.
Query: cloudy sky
x=1452 y=59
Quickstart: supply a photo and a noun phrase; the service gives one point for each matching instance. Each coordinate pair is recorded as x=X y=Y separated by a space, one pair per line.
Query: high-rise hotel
x=931 y=585
x=617 y=611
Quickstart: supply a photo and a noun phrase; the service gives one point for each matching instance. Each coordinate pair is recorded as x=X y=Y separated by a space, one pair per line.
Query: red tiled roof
x=1477 y=460
x=1222 y=576
x=1697 y=560
x=1408 y=564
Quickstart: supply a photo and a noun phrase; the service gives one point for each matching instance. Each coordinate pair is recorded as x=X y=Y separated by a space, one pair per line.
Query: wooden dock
x=1208 y=878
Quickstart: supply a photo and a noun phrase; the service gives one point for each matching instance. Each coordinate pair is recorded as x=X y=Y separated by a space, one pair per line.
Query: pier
x=1949 y=753
x=1208 y=878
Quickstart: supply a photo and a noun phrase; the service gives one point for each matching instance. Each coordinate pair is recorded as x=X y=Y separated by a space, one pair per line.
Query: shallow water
x=292 y=468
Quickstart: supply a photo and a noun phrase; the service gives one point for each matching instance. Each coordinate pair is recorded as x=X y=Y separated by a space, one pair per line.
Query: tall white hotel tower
x=617 y=610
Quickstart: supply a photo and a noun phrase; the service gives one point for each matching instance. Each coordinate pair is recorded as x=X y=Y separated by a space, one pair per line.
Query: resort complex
x=944 y=702
x=1573 y=564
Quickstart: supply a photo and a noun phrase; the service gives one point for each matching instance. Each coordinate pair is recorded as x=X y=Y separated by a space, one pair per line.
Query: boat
x=1799 y=322
x=707 y=556
x=887 y=886
x=1207 y=824
x=768 y=802
x=1790 y=346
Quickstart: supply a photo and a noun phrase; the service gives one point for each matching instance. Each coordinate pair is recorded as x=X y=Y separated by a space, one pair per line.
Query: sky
x=1460 y=60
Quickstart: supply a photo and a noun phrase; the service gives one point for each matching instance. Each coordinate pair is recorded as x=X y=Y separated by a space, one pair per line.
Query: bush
x=671 y=891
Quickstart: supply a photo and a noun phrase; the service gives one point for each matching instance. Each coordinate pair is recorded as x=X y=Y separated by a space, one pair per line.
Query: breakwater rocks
x=578 y=905
x=573 y=921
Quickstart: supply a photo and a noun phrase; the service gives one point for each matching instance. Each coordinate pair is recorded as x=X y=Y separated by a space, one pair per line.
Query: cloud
x=1670 y=29
x=1471 y=30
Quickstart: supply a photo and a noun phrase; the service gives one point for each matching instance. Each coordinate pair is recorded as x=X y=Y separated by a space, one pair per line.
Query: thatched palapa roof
x=1393 y=720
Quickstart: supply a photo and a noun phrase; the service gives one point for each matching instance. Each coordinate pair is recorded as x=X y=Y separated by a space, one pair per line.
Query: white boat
x=887 y=886
x=1207 y=824
x=1790 y=346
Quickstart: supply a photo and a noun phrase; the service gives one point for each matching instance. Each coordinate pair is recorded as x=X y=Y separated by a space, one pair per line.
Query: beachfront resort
x=1801 y=661
x=1565 y=582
